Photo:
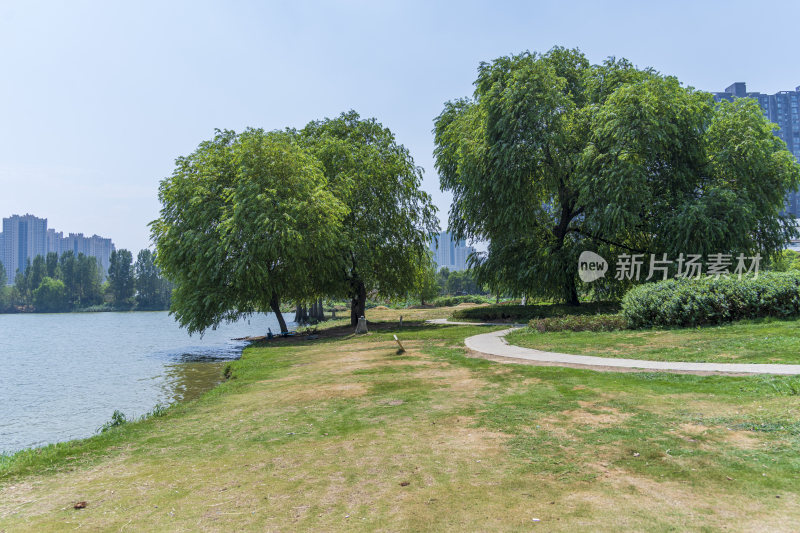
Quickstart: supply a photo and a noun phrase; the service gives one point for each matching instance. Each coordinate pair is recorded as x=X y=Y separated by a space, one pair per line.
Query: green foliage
x=5 y=291
x=448 y=301
x=81 y=276
x=152 y=290
x=553 y=156
x=520 y=313
x=51 y=296
x=58 y=284
x=426 y=287
x=38 y=272
x=51 y=264
x=600 y=322
x=246 y=221
x=694 y=302
x=785 y=261
x=117 y=419
x=383 y=238
x=121 y=281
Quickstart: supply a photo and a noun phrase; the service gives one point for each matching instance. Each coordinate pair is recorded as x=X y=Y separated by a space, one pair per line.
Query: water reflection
x=187 y=381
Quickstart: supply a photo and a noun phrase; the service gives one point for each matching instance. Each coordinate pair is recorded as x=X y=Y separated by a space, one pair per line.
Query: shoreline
x=157 y=410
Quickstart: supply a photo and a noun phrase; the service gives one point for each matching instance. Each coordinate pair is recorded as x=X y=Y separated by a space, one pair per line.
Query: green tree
x=426 y=286
x=38 y=272
x=553 y=156
x=788 y=260
x=22 y=294
x=246 y=222
x=384 y=236
x=441 y=279
x=67 y=266
x=120 y=277
x=52 y=265
x=89 y=281
x=152 y=291
x=50 y=296
x=5 y=291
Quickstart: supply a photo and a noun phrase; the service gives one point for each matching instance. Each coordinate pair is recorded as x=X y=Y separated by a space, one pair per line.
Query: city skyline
x=23 y=237
x=94 y=122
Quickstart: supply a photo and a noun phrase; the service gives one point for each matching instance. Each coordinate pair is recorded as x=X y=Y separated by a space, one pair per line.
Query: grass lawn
x=763 y=341
x=341 y=433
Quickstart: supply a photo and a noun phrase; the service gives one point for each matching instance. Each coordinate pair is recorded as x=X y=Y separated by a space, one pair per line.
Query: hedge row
x=448 y=301
x=524 y=313
x=694 y=302
x=601 y=322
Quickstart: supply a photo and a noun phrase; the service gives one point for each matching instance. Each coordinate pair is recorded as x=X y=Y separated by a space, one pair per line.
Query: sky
x=97 y=99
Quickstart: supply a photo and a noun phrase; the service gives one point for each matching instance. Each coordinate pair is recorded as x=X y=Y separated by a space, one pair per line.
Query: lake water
x=63 y=375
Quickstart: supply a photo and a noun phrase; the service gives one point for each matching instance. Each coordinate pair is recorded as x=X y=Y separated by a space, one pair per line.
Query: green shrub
x=117 y=419
x=524 y=313
x=695 y=302
x=603 y=322
x=447 y=301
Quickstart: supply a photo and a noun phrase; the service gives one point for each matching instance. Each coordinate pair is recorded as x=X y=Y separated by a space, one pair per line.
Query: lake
x=63 y=375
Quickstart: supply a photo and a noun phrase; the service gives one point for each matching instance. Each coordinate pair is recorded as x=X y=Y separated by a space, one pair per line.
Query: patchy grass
x=763 y=341
x=340 y=433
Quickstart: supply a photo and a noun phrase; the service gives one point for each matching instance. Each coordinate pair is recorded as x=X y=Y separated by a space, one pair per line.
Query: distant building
x=25 y=237
x=450 y=253
x=782 y=109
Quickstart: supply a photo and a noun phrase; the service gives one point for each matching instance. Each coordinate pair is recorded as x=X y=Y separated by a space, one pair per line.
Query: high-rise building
x=449 y=252
x=782 y=109
x=25 y=237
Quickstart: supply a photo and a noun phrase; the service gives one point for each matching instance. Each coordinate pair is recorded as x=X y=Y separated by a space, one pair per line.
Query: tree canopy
x=152 y=290
x=552 y=156
x=246 y=222
x=385 y=232
x=120 y=277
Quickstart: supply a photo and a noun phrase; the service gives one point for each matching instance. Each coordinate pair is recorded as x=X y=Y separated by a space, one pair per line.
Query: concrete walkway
x=494 y=344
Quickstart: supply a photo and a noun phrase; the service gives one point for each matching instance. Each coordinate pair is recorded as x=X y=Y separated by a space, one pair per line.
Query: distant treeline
x=457 y=283
x=53 y=283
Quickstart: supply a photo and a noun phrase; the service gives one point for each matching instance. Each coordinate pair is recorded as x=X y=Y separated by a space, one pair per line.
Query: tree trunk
x=560 y=232
x=318 y=312
x=275 y=305
x=358 y=302
x=572 y=297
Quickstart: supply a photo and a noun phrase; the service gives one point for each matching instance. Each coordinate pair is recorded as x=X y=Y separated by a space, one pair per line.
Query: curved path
x=494 y=344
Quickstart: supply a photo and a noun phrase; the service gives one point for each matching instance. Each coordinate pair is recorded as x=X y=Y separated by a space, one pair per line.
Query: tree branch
x=606 y=241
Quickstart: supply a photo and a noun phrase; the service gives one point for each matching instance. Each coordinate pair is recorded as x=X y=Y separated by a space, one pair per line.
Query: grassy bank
x=342 y=433
x=763 y=341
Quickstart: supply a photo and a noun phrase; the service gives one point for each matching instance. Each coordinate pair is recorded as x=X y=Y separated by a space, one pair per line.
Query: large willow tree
x=384 y=236
x=552 y=156
x=247 y=222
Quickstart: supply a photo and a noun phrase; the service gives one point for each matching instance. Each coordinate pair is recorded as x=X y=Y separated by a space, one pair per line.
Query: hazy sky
x=97 y=99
